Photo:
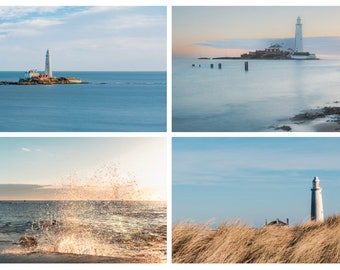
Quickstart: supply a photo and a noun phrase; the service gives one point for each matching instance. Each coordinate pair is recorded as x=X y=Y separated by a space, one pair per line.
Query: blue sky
x=33 y=168
x=232 y=30
x=83 y=38
x=253 y=179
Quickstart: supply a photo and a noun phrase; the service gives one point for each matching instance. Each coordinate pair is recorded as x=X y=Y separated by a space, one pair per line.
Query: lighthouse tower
x=316 y=207
x=298 y=36
x=48 y=64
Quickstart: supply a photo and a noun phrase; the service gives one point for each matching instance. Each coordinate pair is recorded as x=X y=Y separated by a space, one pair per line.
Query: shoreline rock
x=44 y=81
x=326 y=119
x=284 y=128
x=28 y=242
x=318 y=113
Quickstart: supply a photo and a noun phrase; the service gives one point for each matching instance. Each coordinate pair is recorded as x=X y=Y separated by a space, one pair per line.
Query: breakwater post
x=211 y=65
x=246 y=66
x=219 y=65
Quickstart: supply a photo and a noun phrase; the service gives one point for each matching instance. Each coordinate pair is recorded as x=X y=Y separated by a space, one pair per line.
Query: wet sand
x=327 y=127
x=37 y=257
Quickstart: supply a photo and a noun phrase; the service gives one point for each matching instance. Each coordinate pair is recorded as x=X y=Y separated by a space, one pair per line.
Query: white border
x=168 y=134
x=168 y=3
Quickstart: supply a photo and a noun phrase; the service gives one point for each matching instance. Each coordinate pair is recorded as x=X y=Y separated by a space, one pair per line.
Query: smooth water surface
x=232 y=99
x=112 y=101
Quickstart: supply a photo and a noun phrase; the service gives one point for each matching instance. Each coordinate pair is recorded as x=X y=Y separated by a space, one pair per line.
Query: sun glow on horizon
x=83 y=168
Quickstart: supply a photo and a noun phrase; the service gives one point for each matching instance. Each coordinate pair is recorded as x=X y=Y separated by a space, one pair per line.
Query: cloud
x=127 y=191
x=29 y=28
x=321 y=45
x=249 y=44
x=85 y=38
x=24 y=149
x=265 y=163
x=18 y=13
x=26 y=192
x=138 y=21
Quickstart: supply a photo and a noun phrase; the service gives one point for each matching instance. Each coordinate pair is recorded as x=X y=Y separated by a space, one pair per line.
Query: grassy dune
x=312 y=242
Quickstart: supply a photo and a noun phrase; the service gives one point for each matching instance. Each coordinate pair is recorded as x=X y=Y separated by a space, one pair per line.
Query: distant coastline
x=256 y=56
x=220 y=58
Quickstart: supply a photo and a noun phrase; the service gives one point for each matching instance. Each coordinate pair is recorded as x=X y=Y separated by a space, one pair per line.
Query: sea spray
x=98 y=214
x=106 y=182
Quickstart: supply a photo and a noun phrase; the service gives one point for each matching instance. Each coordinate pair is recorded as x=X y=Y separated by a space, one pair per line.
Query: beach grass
x=311 y=242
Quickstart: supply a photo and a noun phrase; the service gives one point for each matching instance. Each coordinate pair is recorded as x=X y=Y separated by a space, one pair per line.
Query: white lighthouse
x=316 y=207
x=48 y=64
x=298 y=36
x=298 y=53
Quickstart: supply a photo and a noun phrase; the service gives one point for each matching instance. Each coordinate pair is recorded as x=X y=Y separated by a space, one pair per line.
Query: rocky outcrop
x=28 y=242
x=48 y=81
x=318 y=113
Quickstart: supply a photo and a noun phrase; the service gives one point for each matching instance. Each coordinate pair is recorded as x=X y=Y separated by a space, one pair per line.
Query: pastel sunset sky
x=230 y=30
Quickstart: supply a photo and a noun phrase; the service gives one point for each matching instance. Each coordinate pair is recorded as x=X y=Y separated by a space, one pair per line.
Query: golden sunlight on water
x=102 y=214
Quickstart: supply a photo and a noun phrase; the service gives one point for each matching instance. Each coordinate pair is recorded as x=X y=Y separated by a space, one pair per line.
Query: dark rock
x=28 y=241
x=285 y=128
x=331 y=110
x=318 y=113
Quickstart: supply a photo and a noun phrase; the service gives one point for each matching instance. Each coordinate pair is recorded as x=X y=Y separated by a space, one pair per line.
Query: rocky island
x=278 y=51
x=46 y=81
x=33 y=77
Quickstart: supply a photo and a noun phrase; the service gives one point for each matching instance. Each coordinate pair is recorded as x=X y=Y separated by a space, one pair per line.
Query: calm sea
x=231 y=99
x=117 y=229
x=112 y=101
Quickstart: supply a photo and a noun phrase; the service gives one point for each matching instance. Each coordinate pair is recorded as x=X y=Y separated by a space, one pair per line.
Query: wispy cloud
x=72 y=192
x=245 y=43
x=319 y=45
x=264 y=163
x=26 y=192
x=26 y=149
x=28 y=28
x=16 y=13
x=84 y=38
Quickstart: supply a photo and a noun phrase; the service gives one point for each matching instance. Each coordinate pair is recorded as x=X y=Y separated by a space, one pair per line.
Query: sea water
x=110 y=102
x=232 y=99
x=118 y=229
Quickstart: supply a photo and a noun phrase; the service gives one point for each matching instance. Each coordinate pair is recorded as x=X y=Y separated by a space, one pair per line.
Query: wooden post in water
x=219 y=65
x=193 y=65
x=246 y=66
x=211 y=65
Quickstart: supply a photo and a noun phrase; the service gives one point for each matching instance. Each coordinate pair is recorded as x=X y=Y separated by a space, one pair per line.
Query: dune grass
x=312 y=242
